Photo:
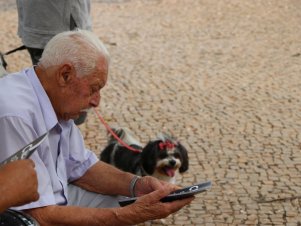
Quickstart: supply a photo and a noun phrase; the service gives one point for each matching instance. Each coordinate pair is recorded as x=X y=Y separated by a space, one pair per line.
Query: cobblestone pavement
x=221 y=75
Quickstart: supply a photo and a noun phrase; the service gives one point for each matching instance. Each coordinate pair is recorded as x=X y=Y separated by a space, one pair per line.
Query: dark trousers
x=35 y=54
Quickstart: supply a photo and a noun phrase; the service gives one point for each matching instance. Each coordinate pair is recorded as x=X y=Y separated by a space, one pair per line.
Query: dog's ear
x=149 y=157
x=184 y=158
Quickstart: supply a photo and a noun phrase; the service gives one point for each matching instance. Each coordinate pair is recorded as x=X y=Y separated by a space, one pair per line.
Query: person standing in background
x=40 y=20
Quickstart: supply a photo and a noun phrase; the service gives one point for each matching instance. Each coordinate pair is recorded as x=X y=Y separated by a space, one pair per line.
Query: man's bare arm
x=73 y=216
x=105 y=179
x=147 y=207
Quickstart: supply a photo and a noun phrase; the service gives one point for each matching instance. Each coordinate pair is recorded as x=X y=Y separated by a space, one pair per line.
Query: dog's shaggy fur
x=162 y=158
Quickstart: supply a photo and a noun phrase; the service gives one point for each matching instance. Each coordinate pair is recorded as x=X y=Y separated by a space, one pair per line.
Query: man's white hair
x=81 y=48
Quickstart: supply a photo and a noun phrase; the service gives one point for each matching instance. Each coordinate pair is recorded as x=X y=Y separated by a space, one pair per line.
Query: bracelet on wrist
x=133 y=184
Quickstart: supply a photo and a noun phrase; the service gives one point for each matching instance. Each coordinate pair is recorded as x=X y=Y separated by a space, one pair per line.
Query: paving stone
x=224 y=77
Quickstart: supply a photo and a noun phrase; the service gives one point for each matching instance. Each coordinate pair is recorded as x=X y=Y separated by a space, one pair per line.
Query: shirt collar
x=46 y=106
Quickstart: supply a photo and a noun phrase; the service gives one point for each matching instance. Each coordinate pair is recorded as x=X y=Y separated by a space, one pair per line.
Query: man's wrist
x=133 y=185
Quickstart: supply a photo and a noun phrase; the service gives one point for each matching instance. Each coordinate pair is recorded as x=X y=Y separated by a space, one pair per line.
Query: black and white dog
x=162 y=158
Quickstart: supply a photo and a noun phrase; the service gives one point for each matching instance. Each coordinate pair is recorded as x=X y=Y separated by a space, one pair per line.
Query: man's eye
x=177 y=155
x=93 y=90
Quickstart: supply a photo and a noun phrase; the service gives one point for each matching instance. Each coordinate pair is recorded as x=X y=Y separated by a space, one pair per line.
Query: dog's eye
x=177 y=155
x=163 y=155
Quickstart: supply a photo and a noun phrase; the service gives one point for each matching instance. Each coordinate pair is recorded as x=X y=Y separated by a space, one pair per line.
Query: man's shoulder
x=16 y=94
x=16 y=82
x=12 y=79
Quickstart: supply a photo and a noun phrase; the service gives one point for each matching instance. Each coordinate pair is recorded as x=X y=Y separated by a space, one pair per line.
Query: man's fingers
x=179 y=204
x=164 y=191
x=31 y=162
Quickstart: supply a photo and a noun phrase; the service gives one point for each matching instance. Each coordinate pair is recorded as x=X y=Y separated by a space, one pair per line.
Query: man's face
x=82 y=93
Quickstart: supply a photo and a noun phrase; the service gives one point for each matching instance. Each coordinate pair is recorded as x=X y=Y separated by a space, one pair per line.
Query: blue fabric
x=25 y=114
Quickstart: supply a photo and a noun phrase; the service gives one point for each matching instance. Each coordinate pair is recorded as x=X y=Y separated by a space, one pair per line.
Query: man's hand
x=153 y=208
x=148 y=184
x=149 y=207
x=150 y=191
x=19 y=184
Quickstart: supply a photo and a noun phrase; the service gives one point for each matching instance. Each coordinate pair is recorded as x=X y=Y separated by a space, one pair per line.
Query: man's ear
x=65 y=74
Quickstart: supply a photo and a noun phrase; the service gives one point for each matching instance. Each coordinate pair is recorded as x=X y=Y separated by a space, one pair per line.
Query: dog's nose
x=172 y=162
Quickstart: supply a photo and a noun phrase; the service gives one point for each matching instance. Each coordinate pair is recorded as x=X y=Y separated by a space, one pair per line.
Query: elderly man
x=74 y=187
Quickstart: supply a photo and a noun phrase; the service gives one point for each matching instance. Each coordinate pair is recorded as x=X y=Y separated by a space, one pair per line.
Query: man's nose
x=95 y=99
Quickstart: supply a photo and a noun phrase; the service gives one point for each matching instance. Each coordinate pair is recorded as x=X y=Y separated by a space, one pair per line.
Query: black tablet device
x=178 y=194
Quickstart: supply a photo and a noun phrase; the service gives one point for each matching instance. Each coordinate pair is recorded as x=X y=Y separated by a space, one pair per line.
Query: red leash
x=114 y=134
